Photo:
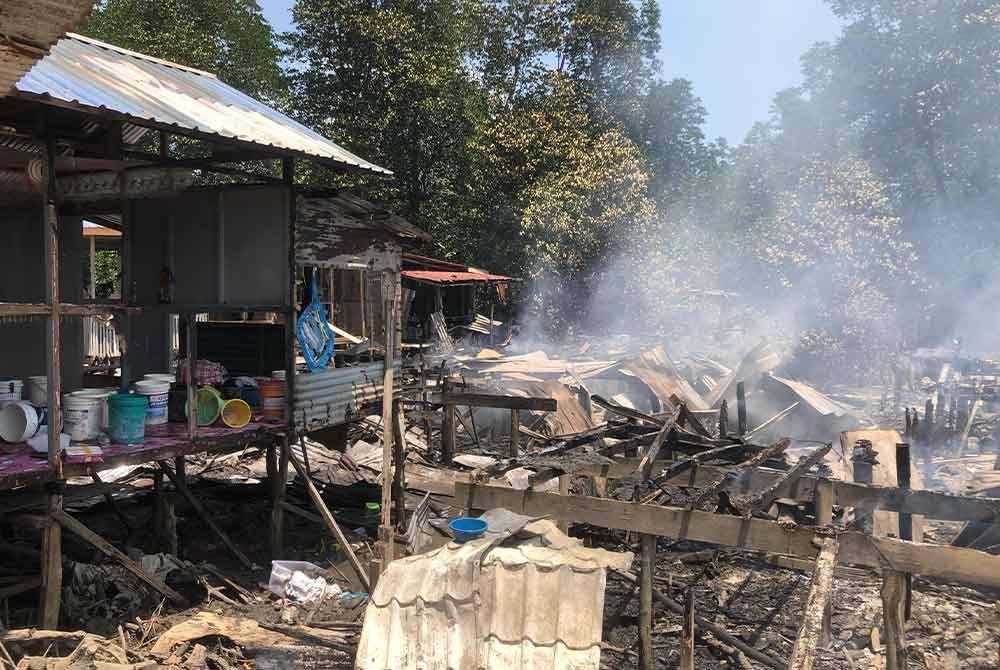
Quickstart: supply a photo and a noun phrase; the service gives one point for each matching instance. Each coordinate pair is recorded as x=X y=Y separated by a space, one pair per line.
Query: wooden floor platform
x=20 y=466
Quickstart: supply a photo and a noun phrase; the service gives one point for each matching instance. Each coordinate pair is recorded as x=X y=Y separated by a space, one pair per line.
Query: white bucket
x=81 y=417
x=101 y=395
x=279 y=374
x=158 y=393
x=160 y=377
x=38 y=390
x=18 y=421
x=10 y=390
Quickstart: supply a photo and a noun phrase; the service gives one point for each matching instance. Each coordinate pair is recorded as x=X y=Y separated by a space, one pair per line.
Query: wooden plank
x=386 y=529
x=278 y=480
x=646 y=464
x=712 y=488
x=946 y=562
x=810 y=630
x=105 y=547
x=178 y=481
x=330 y=522
x=499 y=401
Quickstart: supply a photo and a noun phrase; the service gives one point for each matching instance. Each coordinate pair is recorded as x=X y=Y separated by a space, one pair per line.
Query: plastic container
x=280 y=375
x=467 y=528
x=282 y=571
x=127 y=418
x=10 y=390
x=236 y=413
x=272 y=397
x=81 y=417
x=101 y=395
x=209 y=405
x=160 y=377
x=158 y=392
x=18 y=421
x=37 y=389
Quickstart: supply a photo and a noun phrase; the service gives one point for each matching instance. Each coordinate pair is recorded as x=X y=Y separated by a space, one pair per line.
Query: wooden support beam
x=386 y=529
x=724 y=419
x=741 y=408
x=811 y=628
x=651 y=454
x=687 y=631
x=447 y=429
x=646 y=565
x=105 y=547
x=515 y=433
x=823 y=509
x=893 y=591
x=181 y=485
x=498 y=401
x=930 y=560
x=51 y=567
x=330 y=522
x=905 y=519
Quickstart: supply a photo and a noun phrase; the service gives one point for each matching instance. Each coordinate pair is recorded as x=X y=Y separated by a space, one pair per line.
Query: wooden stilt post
x=192 y=384
x=724 y=419
x=741 y=408
x=386 y=528
x=399 y=460
x=52 y=534
x=687 y=631
x=823 y=502
x=515 y=433
x=279 y=482
x=893 y=591
x=647 y=563
x=564 y=489
x=905 y=519
x=810 y=631
x=159 y=509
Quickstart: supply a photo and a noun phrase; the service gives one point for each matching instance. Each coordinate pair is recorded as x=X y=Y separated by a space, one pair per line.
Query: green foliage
x=106 y=270
x=230 y=39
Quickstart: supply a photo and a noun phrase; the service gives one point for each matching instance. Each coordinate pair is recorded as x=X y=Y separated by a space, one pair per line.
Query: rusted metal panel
x=346 y=232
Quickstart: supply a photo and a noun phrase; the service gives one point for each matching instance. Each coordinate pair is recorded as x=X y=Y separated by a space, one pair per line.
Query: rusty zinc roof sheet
x=529 y=604
x=28 y=28
x=100 y=78
x=447 y=277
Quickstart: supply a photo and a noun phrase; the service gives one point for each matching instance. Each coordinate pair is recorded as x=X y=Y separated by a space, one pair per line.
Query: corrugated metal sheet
x=102 y=78
x=534 y=602
x=337 y=395
x=29 y=28
x=439 y=277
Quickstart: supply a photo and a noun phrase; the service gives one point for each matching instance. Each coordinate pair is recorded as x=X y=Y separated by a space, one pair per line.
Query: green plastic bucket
x=127 y=418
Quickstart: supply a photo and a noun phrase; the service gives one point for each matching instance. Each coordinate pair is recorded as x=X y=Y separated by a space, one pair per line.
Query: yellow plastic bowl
x=236 y=413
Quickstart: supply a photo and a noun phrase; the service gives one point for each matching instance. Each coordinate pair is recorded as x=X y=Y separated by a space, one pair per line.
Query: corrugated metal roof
x=440 y=277
x=101 y=78
x=29 y=27
x=536 y=601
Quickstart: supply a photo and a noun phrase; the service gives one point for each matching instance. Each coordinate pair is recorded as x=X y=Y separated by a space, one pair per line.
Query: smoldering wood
x=765 y=498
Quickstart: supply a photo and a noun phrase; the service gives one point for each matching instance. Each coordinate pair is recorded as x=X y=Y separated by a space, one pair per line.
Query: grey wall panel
x=255 y=233
x=22 y=279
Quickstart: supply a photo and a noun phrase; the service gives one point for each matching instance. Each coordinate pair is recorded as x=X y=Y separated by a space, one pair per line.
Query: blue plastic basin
x=466 y=528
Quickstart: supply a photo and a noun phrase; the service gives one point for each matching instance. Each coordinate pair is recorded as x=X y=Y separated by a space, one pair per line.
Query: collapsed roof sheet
x=534 y=602
x=655 y=368
x=103 y=79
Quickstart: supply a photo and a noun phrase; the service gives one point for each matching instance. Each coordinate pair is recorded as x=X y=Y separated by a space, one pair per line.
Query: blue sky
x=738 y=53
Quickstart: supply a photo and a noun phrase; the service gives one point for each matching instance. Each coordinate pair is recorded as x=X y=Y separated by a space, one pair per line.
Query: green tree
x=229 y=39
